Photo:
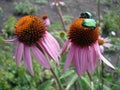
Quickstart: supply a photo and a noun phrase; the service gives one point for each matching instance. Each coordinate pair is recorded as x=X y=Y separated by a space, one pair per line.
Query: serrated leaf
x=45 y=85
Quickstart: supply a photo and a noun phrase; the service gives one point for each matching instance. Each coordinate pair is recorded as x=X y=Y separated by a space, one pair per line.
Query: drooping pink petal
x=51 y=47
x=92 y=59
x=107 y=45
x=101 y=57
x=19 y=53
x=83 y=59
x=96 y=48
x=28 y=59
x=101 y=48
x=106 y=61
x=69 y=57
x=12 y=40
x=62 y=3
x=58 y=3
x=47 y=22
x=80 y=60
x=40 y=57
x=25 y=62
x=53 y=4
x=67 y=43
x=50 y=51
x=52 y=41
x=77 y=62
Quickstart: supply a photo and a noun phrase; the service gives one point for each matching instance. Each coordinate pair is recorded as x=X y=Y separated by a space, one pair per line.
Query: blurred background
x=106 y=13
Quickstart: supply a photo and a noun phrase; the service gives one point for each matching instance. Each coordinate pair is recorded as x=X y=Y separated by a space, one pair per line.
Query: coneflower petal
x=106 y=61
x=77 y=62
x=19 y=53
x=40 y=57
x=81 y=59
x=69 y=57
x=25 y=62
x=47 y=22
x=12 y=40
x=53 y=41
x=101 y=57
x=49 y=50
x=107 y=45
x=28 y=59
x=67 y=43
x=51 y=47
x=92 y=59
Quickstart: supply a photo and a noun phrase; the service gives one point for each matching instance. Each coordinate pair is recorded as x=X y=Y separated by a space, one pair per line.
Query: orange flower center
x=29 y=29
x=100 y=41
x=82 y=36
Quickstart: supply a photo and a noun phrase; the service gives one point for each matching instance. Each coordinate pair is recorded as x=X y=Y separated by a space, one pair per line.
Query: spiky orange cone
x=31 y=30
x=84 y=49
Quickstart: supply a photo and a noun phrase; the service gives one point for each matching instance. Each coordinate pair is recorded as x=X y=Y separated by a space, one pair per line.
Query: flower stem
x=102 y=75
x=98 y=7
x=60 y=15
x=57 y=79
x=75 y=85
x=52 y=71
x=91 y=80
x=102 y=65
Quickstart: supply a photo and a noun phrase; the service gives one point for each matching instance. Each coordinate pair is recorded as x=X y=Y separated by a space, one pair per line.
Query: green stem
x=60 y=15
x=52 y=71
x=57 y=79
x=99 y=12
x=102 y=75
x=91 y=80
x=102 y=65
x=99 y=78
x=75 y=85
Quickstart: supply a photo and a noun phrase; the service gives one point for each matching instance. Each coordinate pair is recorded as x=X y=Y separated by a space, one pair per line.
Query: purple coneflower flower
x=104 y=43
x=57 y=3
x=46 y=19
x=31 y=31
x=83 y=42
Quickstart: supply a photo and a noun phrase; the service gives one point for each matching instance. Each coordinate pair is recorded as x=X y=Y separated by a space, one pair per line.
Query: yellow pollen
x=29 y=29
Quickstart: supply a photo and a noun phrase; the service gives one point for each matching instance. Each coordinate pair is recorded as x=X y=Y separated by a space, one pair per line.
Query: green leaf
x=72 y=81
x=45 y=85
x=86 y=81
x=55 y=26
x=67 y=18
x=67 y=73
x=106 y=87
x=117 y=70
x=1 y=41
